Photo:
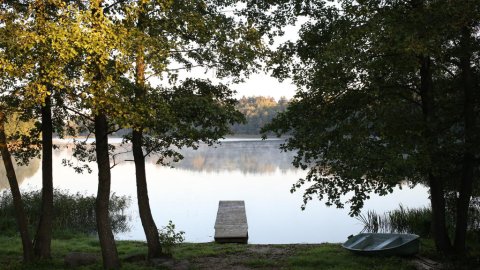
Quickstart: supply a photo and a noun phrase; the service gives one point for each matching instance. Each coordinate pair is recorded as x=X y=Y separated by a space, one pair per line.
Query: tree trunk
x=437 y=192
x=466 y=183
x=439 y=225
x=28 y=255
x=107 y=241
x=151 y=232
x=149 y=226
x=43 y=236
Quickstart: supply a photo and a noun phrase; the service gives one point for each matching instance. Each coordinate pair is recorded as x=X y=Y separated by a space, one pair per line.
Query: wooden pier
x=231 y=224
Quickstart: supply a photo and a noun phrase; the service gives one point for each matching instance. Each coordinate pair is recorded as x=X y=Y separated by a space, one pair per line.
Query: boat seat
x=387 y=243
x=361 y=242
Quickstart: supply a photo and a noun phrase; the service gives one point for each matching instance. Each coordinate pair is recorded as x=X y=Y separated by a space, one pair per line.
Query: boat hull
x=383 y=244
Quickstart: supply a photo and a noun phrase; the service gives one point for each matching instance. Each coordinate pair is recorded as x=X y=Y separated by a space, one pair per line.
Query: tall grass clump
x=73 y=213
x=415 y=220
x=401 y=220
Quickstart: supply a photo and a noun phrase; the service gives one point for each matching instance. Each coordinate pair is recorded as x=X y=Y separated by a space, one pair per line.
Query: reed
x=415 y=220
x=73 y=213
x=401 y=220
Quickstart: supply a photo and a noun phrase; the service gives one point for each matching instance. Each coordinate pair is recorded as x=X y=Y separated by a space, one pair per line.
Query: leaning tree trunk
x=28 y=255
x=149 y=226
x=437 y=192
x=151 y=232
x=107 y=241
x=466 y=183
x=43 y=237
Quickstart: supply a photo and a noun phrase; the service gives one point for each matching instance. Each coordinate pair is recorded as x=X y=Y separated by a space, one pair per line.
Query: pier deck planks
x=231 y=223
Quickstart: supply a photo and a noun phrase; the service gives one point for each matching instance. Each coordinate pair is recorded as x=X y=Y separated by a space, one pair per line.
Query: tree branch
x=107 y=8
x=79 y=113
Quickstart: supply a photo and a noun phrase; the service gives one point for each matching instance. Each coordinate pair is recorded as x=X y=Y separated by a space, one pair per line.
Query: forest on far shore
x=258 y=111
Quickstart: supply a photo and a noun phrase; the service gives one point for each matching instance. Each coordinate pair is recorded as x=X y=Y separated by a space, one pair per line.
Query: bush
x=72 y=213
x=169 y=238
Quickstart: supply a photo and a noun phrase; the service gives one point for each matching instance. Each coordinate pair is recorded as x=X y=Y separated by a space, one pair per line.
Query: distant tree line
x=258 y=111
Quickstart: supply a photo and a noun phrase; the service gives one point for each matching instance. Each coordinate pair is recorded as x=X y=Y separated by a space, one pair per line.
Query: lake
x=239 y=169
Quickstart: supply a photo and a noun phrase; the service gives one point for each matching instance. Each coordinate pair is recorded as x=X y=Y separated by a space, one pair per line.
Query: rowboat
x=383 y=244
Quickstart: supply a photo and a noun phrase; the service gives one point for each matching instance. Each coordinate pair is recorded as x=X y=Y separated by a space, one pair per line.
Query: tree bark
x=107 y=241
x=28 y=254
x=43 y=237
x=437 y=192
x=439 y=225
x=468 y=166
x=149 y=226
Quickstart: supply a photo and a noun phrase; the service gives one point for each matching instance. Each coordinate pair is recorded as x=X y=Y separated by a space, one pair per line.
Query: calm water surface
x=239 y=169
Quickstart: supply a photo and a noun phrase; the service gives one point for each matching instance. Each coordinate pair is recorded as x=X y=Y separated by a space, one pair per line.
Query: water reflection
x=251 y=156
x=22 y=172
x=248 y=157
x=253 y=171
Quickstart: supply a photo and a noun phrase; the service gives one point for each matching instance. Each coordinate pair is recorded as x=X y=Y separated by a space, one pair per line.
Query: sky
x=264 y=85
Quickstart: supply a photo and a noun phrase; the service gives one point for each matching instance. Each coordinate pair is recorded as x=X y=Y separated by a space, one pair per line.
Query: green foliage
x=169 y=238
x=73 y=213
x=192 y=112
x=90 y=59
x=357 y=122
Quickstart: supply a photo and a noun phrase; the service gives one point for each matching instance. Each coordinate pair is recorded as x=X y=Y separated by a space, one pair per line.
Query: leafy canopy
x=357 y=119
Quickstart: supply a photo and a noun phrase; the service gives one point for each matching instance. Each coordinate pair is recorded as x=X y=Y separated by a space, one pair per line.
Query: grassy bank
x=214 y=256
x=210 y=256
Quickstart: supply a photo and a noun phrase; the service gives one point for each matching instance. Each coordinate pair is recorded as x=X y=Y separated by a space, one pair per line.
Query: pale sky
x=264 y=85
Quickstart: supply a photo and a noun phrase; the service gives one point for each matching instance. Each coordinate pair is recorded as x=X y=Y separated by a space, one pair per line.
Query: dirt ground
x=269 y=257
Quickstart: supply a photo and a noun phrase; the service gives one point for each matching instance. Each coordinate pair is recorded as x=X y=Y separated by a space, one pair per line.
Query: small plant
x=169 y=238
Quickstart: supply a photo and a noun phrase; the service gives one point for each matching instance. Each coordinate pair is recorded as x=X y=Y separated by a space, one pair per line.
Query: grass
x=226 y=256
x=333 y=256
x=261 y=263
x=323 y=256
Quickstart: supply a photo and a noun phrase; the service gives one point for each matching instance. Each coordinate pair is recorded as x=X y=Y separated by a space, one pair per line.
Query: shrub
x=169 y=238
